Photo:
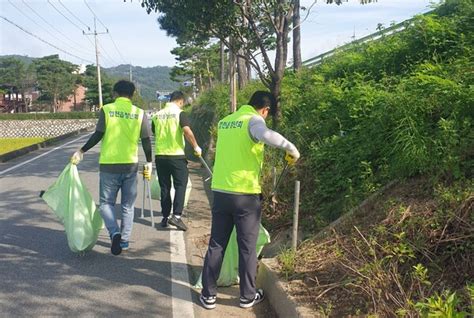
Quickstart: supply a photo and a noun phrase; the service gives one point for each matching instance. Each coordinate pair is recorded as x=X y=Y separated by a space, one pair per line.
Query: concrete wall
x=42 y=128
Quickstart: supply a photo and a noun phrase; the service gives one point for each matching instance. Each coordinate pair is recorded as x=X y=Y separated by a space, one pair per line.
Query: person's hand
x=292 y=156
x=198 y=151
x=147 y=169
x=77 y=157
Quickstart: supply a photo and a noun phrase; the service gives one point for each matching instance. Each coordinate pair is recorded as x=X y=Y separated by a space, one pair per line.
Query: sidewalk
x=198 y=218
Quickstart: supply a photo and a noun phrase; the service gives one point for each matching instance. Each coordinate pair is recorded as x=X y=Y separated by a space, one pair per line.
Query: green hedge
x=29 y=116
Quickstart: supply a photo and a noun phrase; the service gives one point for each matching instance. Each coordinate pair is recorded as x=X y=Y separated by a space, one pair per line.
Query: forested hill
x=24 y=58
x=149 y=79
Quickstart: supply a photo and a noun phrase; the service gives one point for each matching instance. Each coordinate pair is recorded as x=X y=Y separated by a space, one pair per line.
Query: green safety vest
x=169 y=137
x=239 y=159
x=123 y=122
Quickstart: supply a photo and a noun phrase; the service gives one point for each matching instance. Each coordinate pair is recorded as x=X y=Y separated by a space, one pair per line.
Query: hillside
x=149 y=79
x=392 y=118
x=24 y=58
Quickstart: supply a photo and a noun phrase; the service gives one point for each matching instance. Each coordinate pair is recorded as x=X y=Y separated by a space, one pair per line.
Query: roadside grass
x=11 y=144
x=407 y=254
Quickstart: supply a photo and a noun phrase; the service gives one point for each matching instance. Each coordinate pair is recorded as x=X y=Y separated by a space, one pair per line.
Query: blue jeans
x=110 y=183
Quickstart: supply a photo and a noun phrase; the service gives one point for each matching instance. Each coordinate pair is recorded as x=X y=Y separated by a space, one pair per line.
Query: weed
x=442 y=306
x=287 y=260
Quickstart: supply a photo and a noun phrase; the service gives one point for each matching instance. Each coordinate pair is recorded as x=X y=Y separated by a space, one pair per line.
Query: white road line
x=39 y=156
x=182 y=302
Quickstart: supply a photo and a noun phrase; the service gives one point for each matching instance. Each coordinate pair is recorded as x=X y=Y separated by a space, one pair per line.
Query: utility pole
x=95 y=33
x=130 y=72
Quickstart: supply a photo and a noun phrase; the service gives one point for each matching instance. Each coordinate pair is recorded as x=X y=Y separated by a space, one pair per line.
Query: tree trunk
x=200 y=83
x=242 y=71
x=275 y=89
x=209 y=75
x=296 y=36
x=55 y=101
x=280 y=63
x=222 y=68
x=75 y=101
x=233 y=86
x=249 y=72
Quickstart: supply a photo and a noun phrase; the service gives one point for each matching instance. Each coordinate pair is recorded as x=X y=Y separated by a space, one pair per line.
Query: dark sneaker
x=164 y=222
x=208 y=302
x=124 y=245
x=178 y=223
x=259 y=296
x=116 y=249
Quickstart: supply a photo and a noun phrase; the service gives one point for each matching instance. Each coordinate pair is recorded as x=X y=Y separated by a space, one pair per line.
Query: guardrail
x=371 y=37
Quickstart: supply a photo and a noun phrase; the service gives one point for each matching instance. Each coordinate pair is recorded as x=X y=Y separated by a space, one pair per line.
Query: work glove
x=147 y=169
x=198 y=151
x=77 y=157
x=292 y=156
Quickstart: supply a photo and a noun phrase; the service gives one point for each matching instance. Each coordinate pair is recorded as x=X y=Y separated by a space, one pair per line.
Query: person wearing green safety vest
x=120 y=126
x=241 y=137
x=171 y=126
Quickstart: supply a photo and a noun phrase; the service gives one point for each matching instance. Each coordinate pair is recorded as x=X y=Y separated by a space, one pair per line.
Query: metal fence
x=371 y=37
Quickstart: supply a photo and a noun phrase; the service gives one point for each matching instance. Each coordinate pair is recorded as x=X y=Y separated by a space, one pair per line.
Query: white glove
x=292 y=156
x=198 y=151
x=77 y=157
x=147 y=169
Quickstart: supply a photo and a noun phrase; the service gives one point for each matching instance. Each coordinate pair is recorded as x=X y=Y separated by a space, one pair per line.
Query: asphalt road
x=40 y=276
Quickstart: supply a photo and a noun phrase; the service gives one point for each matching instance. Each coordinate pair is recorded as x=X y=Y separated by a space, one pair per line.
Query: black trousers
x=178 y=169
x=243 y=211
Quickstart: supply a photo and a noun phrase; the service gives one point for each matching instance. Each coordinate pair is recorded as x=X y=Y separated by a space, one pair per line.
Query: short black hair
x=262 y=99
x=124 y=88
x=177 y=95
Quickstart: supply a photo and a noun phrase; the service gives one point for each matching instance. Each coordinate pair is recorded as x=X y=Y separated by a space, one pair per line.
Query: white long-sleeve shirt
x=260 y=132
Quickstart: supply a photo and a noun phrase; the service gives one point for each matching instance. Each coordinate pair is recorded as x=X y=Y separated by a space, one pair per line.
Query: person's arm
x=188 y=133
x=145 y=135
x=259 y=132
x=93 y=140
x=98 y=134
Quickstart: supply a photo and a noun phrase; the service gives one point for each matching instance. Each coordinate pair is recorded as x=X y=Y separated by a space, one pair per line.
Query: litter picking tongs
x=147 y=189
x=277 y=183
x=204 y=163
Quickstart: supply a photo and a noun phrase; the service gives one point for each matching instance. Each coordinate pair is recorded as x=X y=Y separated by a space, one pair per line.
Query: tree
x=90 y=82
x=256 y=27
x=15 y=72
x=198 y=61
x=55 y=78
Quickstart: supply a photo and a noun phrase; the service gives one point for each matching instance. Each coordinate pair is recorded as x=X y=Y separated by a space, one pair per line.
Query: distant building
x=11 y=100
x=75 y=101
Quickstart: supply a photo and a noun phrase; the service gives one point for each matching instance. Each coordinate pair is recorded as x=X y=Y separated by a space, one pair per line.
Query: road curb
x=275 y=291
x=23 y=151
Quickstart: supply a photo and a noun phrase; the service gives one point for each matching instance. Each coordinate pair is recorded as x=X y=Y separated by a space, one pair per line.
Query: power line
x=44 y=41
x=39 y=25
x=49 y=24
x=95 y=15
x=116 y=48
x=110 y=35
x=107 y=56
x=75 y=16
x=57 y=10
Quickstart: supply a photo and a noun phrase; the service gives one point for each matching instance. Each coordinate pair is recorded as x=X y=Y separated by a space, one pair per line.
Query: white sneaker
x=208 y=302
x=259 y=296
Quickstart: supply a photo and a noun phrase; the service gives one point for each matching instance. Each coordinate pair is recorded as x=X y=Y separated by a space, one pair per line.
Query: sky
x=135 y=37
